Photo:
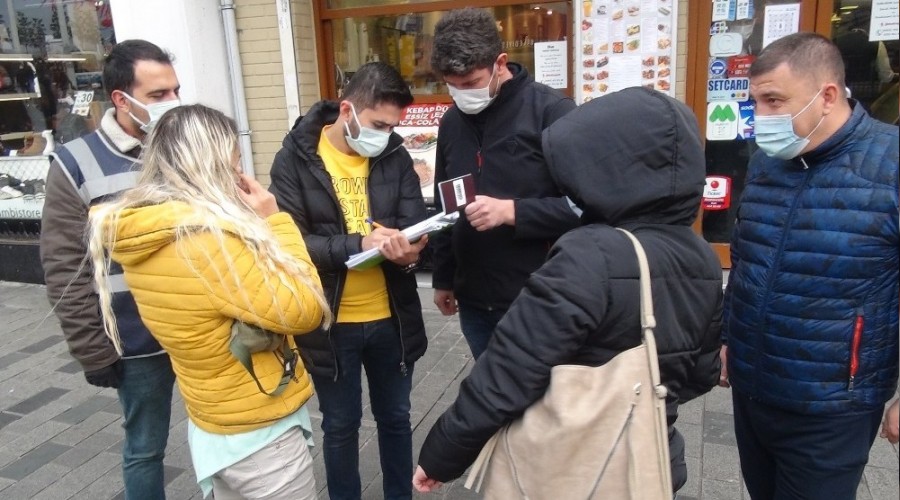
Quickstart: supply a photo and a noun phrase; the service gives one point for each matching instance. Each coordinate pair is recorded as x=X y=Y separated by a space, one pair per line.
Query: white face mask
x=369 y=142
x=776 y=137
x=473 y=101
x=154 y=111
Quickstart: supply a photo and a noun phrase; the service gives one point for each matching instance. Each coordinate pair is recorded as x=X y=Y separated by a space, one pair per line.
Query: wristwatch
x=410 y=267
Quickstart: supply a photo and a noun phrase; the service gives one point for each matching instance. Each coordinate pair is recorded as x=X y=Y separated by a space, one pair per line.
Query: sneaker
x=40 y=189
x=8 y=180
x=27 y=189
x=8 y=193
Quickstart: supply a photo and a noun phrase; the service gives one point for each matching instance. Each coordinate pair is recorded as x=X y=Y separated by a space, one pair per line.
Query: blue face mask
x=369 y=142
x=776 y=137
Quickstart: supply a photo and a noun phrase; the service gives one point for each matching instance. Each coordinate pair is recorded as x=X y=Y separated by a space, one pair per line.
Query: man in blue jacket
x=810 y=313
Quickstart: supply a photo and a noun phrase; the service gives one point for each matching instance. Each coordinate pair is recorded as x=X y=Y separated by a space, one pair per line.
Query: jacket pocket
x=855 y=341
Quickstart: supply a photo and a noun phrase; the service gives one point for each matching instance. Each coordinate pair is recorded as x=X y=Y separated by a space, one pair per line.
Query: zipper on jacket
x=770 y=282
x=403 y=369
x=854 y=349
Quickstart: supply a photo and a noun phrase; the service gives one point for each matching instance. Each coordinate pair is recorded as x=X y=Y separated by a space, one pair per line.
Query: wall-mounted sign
x=728 y=89
x=624 y=44
x=717 y=193
x=550 y=66
x=725 y=44
x=717 y=68
x=722 y=120
x=739 y=66
x=419 y=129
x=885 y=20
x=780 y=21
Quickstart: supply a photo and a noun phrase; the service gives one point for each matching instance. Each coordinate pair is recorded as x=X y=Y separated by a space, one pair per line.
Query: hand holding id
x=487 y=213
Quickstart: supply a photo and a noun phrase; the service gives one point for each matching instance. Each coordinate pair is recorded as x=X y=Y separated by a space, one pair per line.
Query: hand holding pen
x=393 y=244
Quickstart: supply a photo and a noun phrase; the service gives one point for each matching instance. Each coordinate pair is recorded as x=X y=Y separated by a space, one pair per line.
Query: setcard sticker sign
x=728 y=89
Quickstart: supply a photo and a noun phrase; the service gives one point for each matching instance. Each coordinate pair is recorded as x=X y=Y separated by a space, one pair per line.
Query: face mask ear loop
x=808 y=104
x=358 y=124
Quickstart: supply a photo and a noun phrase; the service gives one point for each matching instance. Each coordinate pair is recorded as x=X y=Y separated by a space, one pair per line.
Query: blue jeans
x=787 y=455
x=477 y=326
x=375 y=345
x=145 y=394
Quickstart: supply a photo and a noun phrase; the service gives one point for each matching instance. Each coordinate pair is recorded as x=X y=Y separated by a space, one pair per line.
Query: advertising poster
x=624 y=43
x=550 y=66
x=419 y=130
x=885 y=21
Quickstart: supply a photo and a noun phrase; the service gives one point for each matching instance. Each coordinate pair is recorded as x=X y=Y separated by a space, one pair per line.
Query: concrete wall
x=193 y=33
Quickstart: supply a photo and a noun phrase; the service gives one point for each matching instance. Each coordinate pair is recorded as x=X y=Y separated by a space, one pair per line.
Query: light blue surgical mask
x=369 y=142
x=154 y=111
x=776 y=137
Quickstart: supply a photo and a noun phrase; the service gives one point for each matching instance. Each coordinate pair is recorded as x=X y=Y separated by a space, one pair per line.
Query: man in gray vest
x=142 y=85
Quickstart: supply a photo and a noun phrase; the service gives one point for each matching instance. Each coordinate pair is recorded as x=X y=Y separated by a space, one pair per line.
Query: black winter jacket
x=303 y=188
x=582 y=306
x=486 y=269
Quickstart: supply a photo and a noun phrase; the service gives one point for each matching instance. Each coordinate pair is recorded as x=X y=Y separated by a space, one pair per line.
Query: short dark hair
x=377 y=83
x=465 y=40
x=807 y=54
x=118 y=68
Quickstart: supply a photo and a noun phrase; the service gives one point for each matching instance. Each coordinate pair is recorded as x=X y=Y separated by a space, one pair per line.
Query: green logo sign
x=722 y=114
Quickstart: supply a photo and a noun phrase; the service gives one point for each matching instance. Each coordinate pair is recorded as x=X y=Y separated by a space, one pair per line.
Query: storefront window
x=349 y=4
x=51 y=90
x=405 y=41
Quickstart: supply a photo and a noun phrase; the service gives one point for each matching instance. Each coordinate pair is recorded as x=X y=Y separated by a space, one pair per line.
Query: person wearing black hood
x=493 y=132
x=581 y=307
x=340 y=168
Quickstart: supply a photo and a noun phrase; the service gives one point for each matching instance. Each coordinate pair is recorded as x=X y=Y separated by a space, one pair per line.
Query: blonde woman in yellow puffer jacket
x=201 y=246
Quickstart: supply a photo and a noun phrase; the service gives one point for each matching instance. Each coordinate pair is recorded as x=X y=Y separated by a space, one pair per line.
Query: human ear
x=831 y=95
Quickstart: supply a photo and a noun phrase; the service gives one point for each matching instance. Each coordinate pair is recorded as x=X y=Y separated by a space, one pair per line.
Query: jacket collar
x=116 y=134
x=856 y=126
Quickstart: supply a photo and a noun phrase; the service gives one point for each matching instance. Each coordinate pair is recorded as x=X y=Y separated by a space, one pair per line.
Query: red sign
x=717 y=193
x=739 y=66
x=423 y=115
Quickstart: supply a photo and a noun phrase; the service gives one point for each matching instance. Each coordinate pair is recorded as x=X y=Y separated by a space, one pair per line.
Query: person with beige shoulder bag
x=578 y=391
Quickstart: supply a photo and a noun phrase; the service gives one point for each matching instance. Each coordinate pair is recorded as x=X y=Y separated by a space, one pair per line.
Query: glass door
x=861 y=30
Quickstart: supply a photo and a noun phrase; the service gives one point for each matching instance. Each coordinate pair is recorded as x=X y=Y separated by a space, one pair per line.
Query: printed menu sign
x=550 y=64
x=624 y=43
x=419 y=129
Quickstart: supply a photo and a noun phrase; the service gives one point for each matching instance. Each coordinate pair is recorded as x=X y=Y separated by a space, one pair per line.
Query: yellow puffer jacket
x=188 y=298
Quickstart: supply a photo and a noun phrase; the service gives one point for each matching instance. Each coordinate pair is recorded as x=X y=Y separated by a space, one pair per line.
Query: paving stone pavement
x=61 y=438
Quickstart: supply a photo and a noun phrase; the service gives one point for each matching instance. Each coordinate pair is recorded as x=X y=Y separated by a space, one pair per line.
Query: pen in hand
x=374 y=224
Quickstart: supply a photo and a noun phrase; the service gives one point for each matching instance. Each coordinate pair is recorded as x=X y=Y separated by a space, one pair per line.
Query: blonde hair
x=188 y=158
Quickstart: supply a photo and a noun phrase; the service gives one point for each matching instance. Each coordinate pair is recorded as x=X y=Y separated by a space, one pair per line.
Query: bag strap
x=648 y=323
x=287 y=358
x=648 y=320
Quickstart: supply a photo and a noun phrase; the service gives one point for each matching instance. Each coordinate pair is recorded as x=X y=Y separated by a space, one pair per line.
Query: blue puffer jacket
x=811 y=307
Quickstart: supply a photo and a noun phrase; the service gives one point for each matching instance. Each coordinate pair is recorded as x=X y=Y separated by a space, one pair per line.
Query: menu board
x=624 y=43
x=419 y=129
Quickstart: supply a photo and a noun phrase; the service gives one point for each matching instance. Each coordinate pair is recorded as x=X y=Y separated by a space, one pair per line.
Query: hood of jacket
x=631 y=156
x=142 y=231
x=303 y=139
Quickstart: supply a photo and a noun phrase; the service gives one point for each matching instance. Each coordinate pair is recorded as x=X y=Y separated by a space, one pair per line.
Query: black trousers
x=790 y=456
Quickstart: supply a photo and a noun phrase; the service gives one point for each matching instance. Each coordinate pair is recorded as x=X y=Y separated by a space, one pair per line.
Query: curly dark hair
x=465 y=40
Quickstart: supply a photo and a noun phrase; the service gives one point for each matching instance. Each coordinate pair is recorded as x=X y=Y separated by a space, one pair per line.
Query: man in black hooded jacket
x=581 y=307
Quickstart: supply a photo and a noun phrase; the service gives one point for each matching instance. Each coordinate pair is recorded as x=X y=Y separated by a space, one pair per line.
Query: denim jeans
x=477 y=326
x=376 y=346
x=787 y=455
x=145 y=394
